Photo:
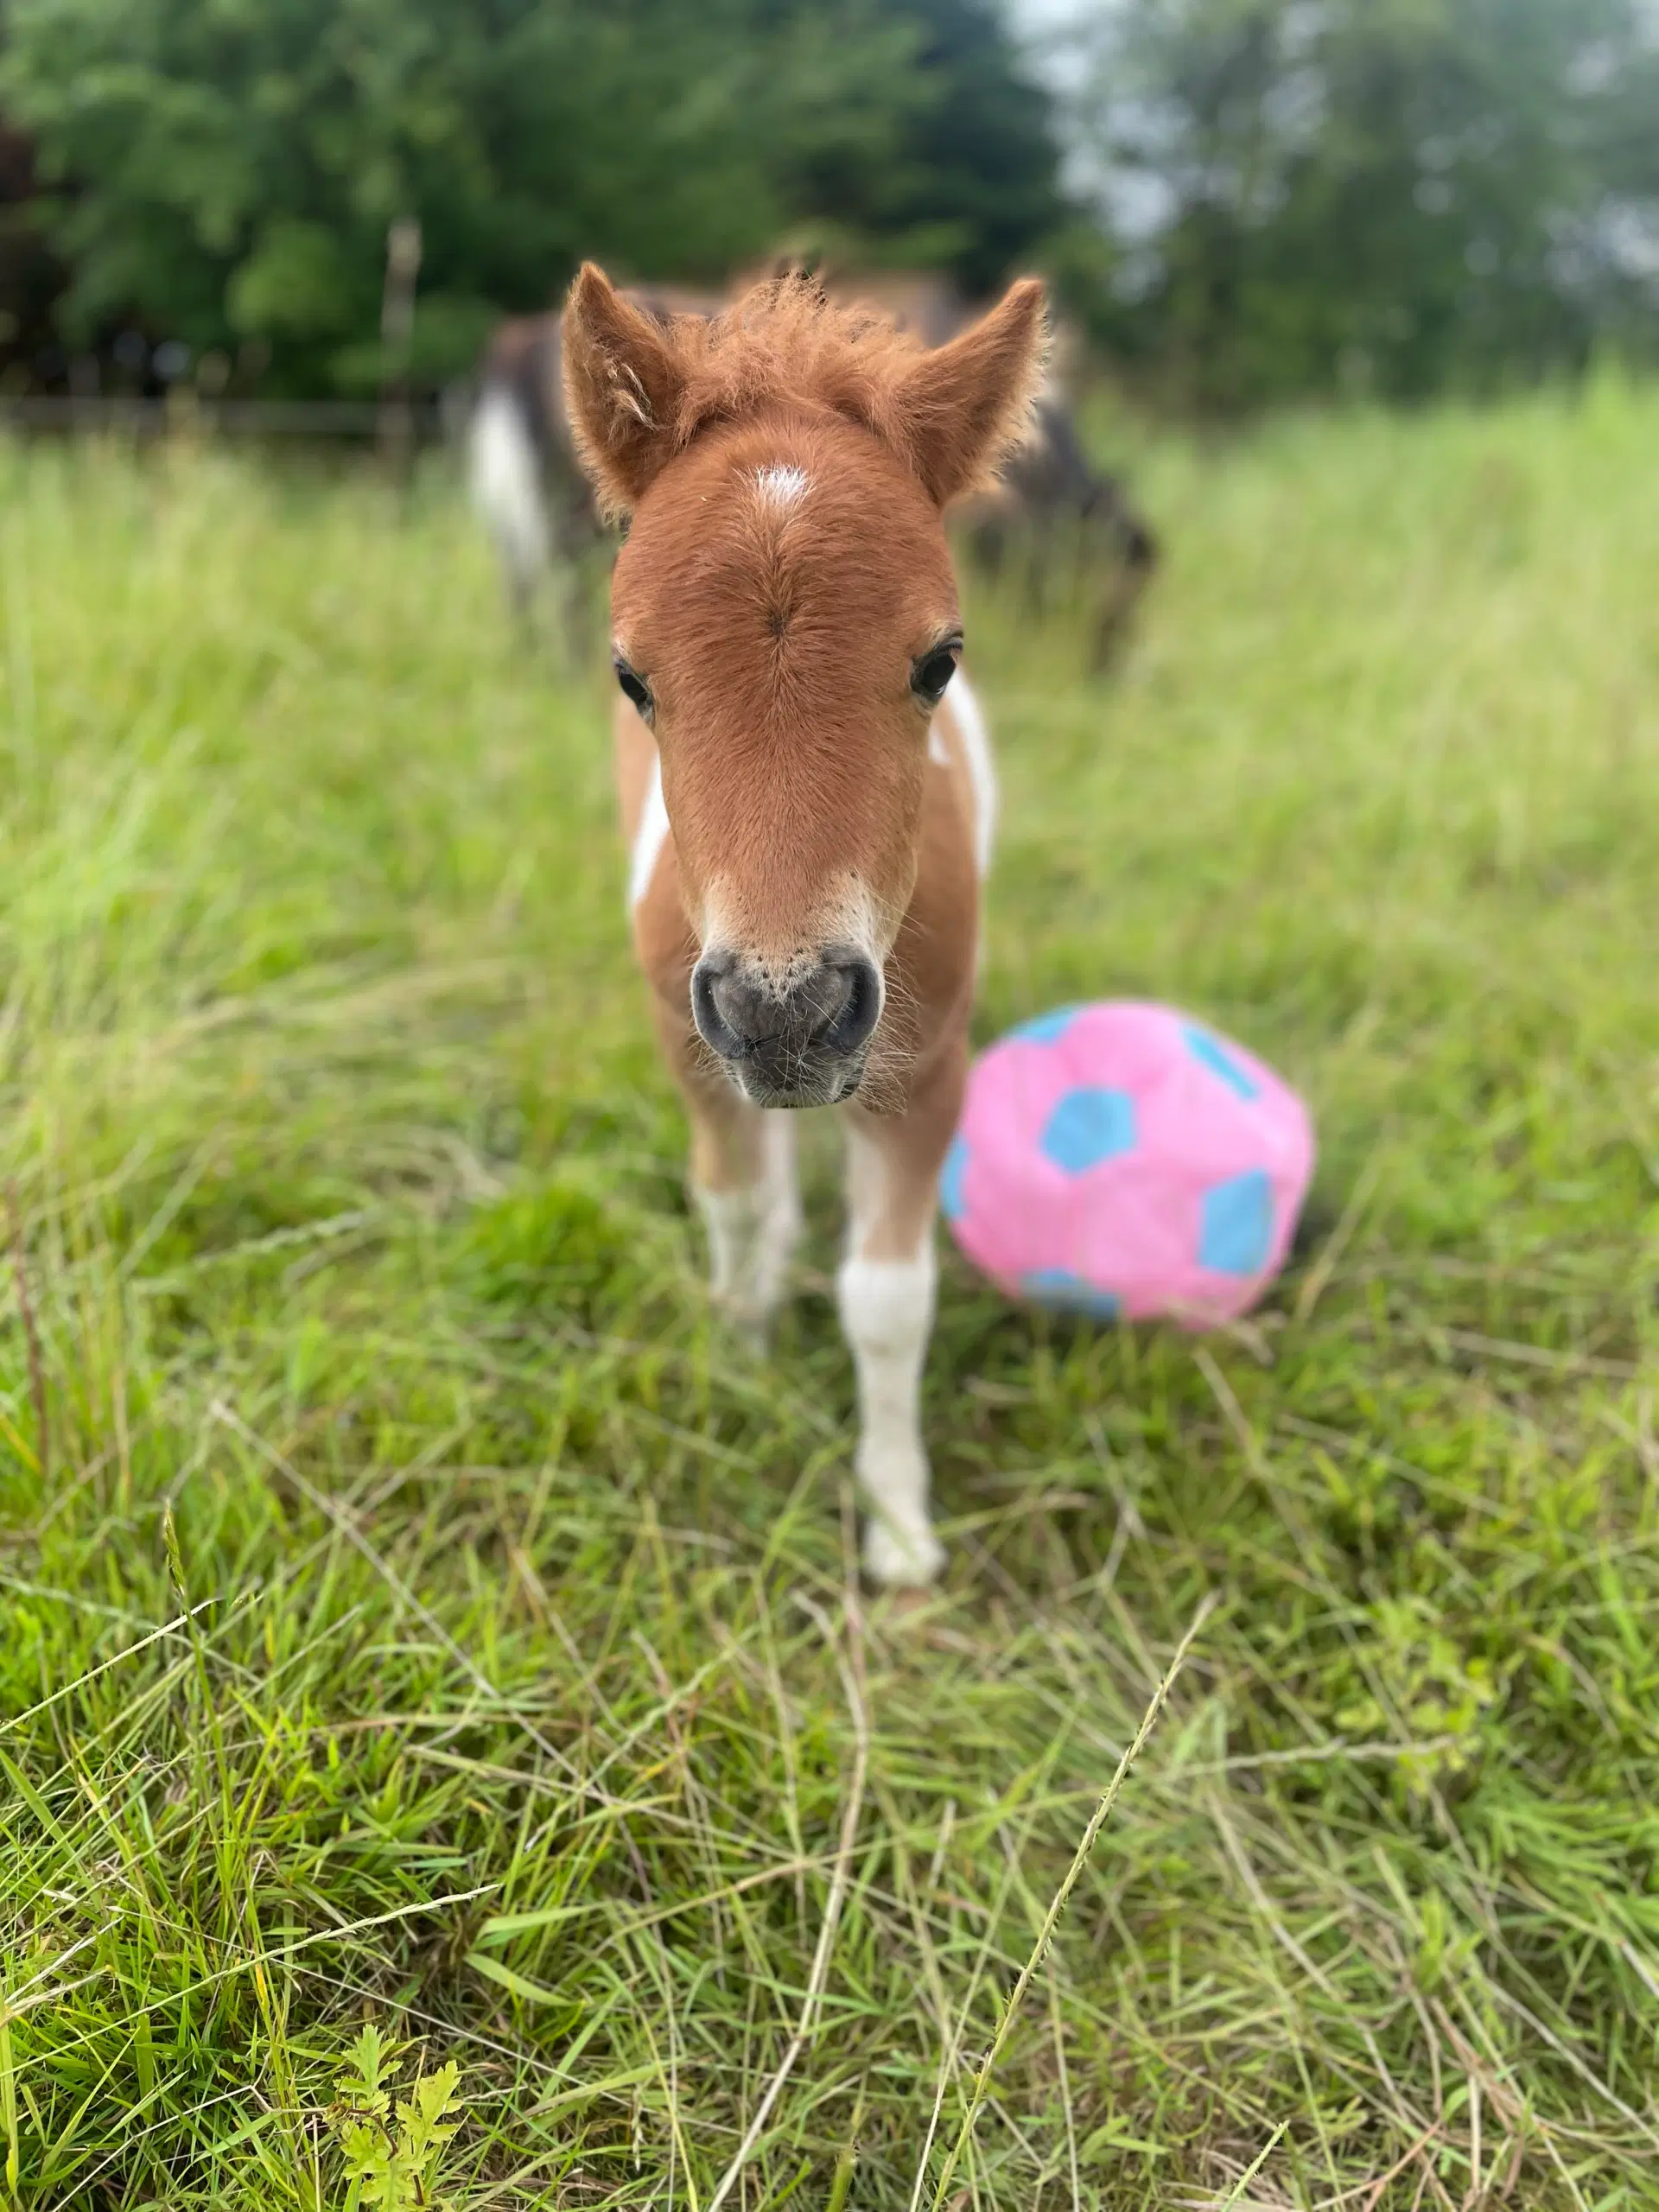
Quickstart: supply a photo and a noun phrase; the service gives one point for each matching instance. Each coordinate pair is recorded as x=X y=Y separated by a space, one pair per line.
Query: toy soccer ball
x=1121 y=1159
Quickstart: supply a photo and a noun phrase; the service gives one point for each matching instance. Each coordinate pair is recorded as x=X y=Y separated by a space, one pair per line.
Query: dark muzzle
x=800 y=1041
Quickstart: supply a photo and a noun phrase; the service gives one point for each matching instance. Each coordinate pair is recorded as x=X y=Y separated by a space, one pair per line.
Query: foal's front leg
x=886 y=1291
x=743 y=1179
x=744 y=1182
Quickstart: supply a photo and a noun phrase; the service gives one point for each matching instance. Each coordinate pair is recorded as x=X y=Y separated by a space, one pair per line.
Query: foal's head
x=785 y=617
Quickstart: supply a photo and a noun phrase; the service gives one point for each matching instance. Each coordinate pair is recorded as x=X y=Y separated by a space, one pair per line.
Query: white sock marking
x=753 y=1233
x=886 y=1314
x=650 y=836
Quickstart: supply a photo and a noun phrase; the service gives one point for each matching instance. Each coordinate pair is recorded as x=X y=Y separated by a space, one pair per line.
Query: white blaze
x=782 y=484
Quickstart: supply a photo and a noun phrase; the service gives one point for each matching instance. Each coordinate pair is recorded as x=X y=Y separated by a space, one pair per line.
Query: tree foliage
x=1266 y=197
x=1392 y=193
x=232 y=166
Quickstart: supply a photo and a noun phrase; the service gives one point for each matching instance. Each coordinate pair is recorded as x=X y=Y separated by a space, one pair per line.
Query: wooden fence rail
x=428 y=420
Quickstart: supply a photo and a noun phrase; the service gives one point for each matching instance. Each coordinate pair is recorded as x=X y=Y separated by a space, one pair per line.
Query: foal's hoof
x=746 y=1326
x=902 y=1559
x=757 y=1334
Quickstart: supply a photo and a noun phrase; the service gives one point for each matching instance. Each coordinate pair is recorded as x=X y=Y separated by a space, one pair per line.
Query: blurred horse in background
x=528 y=488
x=1055 y=521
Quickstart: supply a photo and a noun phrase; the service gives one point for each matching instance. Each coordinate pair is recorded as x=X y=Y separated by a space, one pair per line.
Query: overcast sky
x=1039 y=23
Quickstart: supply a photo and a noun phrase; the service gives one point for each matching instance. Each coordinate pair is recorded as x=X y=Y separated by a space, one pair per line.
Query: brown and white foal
x=804 y=777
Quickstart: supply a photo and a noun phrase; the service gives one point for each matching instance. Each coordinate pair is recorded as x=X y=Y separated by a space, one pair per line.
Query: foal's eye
x=635 y=689
x=929 y=674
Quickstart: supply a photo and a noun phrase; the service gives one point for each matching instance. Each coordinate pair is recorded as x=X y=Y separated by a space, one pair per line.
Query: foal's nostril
x=851 y=1028
x=716 y=1031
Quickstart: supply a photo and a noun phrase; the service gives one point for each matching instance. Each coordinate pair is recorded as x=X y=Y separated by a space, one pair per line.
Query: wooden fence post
x=397 y=427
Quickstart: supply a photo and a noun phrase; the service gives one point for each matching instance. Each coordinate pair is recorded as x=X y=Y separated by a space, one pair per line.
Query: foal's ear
x=622 y=386
x=965 y=406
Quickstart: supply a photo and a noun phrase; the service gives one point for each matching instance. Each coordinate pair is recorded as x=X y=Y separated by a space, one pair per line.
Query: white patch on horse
x=937 y=751
x=753 y=1233
x=981 y=769
x=887 y=1312
x=782 y=483
x=650 y=836
x=507 y=486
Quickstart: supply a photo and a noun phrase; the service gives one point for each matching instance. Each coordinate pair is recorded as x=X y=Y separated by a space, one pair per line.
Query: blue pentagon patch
x=953 y=1178
x=1045 y=1028
x=1087 y=1127
x=1059 y=1286
x=1236 y=1234
x=1215 y=1056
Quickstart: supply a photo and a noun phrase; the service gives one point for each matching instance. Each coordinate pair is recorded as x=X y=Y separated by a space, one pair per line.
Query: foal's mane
x=784 y=344
x=784 y=341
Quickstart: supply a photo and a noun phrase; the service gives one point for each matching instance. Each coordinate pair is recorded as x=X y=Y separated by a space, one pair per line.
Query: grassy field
x=427 y=1641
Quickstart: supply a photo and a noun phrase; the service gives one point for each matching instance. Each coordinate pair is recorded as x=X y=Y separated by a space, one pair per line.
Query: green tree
x=970 y=179
x=29 y=277
x=231 y=166
x=1392 y=193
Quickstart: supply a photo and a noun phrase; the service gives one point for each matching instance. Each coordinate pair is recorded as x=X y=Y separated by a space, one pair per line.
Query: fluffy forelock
x=784 y=344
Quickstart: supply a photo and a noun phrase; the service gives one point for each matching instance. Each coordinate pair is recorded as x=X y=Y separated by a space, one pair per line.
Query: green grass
x=425 y=1623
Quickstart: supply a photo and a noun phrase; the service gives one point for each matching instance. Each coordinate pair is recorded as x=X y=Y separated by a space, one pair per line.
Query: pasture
x=418 y=1618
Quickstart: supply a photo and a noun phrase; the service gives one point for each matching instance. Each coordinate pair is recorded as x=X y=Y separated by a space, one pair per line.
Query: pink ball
x=1121 y=1159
